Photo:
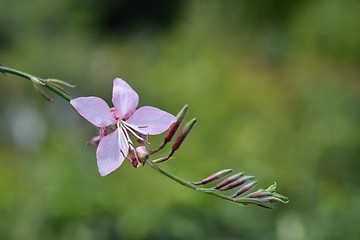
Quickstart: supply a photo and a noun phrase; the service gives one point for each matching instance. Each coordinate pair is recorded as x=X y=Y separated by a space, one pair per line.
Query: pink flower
x=114 y=147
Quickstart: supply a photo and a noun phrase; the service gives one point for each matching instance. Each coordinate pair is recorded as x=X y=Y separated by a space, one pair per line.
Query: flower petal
x=125 y=99
x=95 y=110
x=108 y=154
x=150 y=120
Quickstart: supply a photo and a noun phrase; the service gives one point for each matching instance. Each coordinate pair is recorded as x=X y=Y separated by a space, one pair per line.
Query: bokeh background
x=274 y=85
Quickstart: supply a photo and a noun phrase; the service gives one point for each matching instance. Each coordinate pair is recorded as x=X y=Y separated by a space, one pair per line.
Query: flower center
x=126 y=130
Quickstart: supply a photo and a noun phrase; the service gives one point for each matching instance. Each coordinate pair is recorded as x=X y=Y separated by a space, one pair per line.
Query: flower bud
x=229 y=180
x=244 y=189
x=184 y=133
x=273 y=200
x=142 y=154
x=140 y=157
x=214 y=177
x=261 y=195
x=238 y=182
x=173 y=128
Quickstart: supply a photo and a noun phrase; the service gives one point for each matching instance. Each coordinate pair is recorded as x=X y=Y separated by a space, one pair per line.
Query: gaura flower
x=115 y=146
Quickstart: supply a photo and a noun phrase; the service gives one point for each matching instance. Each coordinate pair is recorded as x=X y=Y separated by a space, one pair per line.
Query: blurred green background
x=275 y=87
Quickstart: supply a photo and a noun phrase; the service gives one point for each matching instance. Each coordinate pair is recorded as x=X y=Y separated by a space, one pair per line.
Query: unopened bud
x=174 y=127
x=273 y=200
x=238 y=182
x=142 y=154
x=244 y=189
x=140 y=157
x=184 y=133
x=214 y=177
x=261 y=195
x=229 y=180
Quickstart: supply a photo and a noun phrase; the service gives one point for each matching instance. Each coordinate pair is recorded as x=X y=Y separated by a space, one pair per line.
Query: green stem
x=173 y=177
x=43 y=81
x=192 y=186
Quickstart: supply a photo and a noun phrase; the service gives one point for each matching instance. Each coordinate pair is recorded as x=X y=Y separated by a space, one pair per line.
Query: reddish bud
x=229 y=180
x=184 y=133
x=214 y=177
x=244 y=189
x=238 y=182
x=261 y=195
x=174 y=127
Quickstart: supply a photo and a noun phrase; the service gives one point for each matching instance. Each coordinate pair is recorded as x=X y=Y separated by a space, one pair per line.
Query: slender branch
x=194 y=187
x=173 y=177
x=263 y=198
x=44 y=82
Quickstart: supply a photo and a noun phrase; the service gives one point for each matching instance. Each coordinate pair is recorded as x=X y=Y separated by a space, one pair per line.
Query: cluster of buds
x=241 y=185
x=170 y=134
x=235 y=188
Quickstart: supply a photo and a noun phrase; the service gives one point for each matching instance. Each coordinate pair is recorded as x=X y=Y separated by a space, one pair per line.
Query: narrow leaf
x=61 y=82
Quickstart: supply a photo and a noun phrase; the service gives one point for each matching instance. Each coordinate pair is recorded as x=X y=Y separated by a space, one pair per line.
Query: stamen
x=119 y=126
x=132 y=145
x=126 y=129
x=133 y=132
x=147 y=147
x=127 y=135
x=123 y=153
x=119 y=139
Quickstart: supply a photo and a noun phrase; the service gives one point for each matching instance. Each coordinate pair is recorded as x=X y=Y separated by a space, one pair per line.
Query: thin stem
x=173 y=177
x=163 y=159
x=43 y=81
x=162 y=145
x=192 y=186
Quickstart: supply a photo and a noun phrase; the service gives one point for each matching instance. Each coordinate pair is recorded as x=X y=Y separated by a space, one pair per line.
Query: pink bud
x=229 y=180
x=173 y=128
x=238 y=182
x=184 y=133
x=214 y=177
x=261 y=195
x=140 y=157
x=244 y=189
x=143 y=154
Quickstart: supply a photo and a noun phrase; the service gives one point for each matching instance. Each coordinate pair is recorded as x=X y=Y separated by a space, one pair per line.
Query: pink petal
x=95 y=110
x=151 y=120
x=125 y=99
x=108 y=154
